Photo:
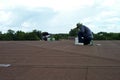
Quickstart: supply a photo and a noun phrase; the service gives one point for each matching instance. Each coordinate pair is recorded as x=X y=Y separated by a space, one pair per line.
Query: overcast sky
x=59 y=16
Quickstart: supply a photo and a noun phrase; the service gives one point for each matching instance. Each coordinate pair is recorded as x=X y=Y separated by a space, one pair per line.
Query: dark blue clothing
x=85 y=35
x=86 y=32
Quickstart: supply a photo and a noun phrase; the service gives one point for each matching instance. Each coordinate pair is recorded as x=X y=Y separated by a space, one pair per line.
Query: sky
x=59 y=16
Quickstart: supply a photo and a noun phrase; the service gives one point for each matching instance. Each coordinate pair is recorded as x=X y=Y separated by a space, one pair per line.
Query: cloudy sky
x=59 y=16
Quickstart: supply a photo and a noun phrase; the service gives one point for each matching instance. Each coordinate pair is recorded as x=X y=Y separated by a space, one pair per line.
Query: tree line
x=20 y=35
x=11 y=35
x=33 y=35
x=107 y=36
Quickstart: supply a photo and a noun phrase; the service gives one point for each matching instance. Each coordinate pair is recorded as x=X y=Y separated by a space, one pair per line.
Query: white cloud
x=57 y=5
x=109 y=3
x=59 y=15
x=107 y=14
x=114 y=19
x=4 y=16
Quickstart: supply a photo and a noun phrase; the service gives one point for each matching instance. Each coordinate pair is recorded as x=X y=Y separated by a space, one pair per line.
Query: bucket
x=77 y=43
x=76 y=40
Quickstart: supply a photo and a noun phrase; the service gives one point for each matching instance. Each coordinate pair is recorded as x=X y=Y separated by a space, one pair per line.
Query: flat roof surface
x=59 y=60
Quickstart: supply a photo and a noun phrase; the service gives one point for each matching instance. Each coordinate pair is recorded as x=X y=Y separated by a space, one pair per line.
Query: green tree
x=10 y=35
x=73 y=32
x=38 y=34
x=31 y=36
x=0 y=35
x=118 y=38
x=102 y=36
x=20 y=35
x=60 y=36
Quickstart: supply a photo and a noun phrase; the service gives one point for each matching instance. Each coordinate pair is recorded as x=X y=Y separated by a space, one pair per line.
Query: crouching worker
x=85 y=35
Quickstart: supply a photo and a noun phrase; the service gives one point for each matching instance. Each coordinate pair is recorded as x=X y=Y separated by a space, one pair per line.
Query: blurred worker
x=85 y=35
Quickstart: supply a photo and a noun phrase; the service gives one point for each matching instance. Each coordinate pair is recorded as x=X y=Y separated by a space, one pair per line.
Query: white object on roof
x=77 y=43
x=98 y=44
x=5 y=65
